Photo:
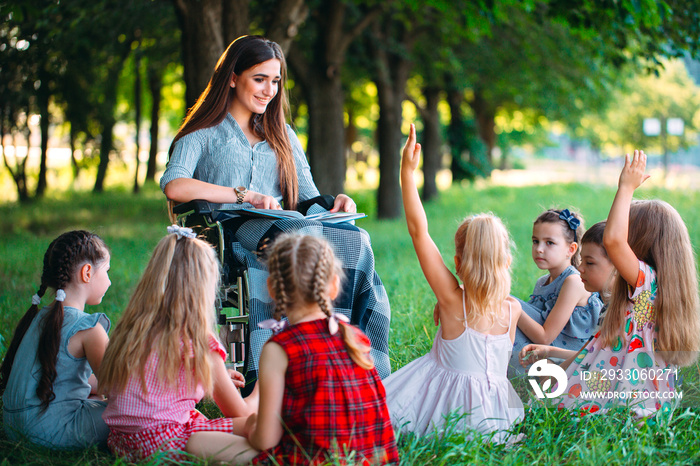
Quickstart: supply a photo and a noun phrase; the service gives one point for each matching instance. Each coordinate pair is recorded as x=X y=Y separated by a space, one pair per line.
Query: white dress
x=465 y=376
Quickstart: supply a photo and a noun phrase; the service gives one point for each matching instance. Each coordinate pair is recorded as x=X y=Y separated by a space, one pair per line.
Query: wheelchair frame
x=232 y=304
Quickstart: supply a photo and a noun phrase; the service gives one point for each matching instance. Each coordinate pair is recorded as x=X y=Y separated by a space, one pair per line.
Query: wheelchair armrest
x=196 y=206
x=325 y=201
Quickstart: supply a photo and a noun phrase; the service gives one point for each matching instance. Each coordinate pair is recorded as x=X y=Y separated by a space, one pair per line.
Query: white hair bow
x=182 y=232
x=60 y=295
x=271 y=324
x=333 y=321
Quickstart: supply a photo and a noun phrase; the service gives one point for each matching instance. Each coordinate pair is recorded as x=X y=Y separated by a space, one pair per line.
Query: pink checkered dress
x=162 y=419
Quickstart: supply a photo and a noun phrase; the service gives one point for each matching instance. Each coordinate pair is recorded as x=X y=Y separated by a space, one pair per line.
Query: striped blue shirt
x=223 y=156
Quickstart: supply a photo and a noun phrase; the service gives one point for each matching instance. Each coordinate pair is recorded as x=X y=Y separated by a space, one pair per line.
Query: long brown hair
x=64 y=256
x=170 y=313
x=301 y=269
x=659 y=237
x=213 y=104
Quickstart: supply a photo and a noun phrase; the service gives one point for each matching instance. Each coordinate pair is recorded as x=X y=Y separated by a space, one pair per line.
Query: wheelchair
x=232 y=303
x=233 y=300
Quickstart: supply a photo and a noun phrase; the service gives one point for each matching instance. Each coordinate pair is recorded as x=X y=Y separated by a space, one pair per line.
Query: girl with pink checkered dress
x=164 y=358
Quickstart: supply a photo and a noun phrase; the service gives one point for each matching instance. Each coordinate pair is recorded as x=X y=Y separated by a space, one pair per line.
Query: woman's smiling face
x=256 y=87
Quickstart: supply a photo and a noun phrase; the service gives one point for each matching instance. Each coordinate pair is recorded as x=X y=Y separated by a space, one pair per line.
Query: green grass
x=132 y=225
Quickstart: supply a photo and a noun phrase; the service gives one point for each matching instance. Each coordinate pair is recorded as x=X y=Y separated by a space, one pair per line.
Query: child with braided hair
x=49 y=391
x=320 y=395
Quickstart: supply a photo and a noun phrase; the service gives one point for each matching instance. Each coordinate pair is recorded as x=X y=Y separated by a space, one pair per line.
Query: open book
x=326 y=217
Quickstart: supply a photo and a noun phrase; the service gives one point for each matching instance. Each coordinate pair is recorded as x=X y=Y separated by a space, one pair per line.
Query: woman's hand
x=261 y=201
x=343 y=203
x=530 y=354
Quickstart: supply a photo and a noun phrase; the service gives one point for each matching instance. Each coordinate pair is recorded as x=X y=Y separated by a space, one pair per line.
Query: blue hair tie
x=572 y=221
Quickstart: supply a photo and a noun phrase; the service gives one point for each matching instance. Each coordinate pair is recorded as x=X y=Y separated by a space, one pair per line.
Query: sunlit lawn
x=132 y=225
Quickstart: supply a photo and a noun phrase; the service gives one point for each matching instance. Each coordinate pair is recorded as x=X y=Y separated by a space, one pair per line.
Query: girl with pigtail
x=320 y=394
x=49 y=391
x=560 y=311
x=164 y=357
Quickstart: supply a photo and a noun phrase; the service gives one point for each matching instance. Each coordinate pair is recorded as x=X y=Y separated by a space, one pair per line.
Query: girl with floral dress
x=652 y=325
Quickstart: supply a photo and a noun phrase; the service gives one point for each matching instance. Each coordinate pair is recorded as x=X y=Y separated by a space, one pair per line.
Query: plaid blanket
x=363 y=297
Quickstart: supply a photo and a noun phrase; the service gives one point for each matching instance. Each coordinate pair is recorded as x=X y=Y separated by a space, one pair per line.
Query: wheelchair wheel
x=234 y=329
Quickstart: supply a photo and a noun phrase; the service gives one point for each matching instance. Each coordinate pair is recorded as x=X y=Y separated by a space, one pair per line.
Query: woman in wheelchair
x=235 y=150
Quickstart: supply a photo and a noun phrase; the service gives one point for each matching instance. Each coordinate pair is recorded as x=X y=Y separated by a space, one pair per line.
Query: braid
x=278 y=285
x=49 y=340
x=320 y=280
x=20 y=331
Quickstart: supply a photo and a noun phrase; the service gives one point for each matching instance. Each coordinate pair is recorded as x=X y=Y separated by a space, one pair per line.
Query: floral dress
x=628 y=372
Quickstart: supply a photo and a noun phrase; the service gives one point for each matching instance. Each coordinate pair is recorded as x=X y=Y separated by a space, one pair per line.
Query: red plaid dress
x=331 y=406
x=162 y=419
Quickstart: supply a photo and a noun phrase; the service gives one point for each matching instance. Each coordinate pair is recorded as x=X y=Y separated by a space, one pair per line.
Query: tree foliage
x=503 y=67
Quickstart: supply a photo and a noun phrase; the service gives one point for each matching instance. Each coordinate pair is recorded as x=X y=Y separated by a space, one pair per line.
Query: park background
x=519 y=105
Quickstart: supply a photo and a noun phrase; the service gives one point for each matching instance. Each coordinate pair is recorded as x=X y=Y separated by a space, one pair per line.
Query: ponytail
x=358 y=348
x=20 y=331
x=47 y=354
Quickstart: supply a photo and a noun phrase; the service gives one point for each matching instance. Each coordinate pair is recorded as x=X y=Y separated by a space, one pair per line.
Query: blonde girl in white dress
x=465 y=372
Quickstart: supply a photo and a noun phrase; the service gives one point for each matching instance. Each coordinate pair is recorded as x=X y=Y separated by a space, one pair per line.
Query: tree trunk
x=43 y=95
x=392 y=70
x=390 y=97
x=317 y=71
x=326 y=146
x=432 y=153
x=485 y=115
x=106 y=145
x=21 y=168
x=283 y=28
x=107 y=121
x=236 y=21
x=155 y=85
x=503 y=163
x=137 y=116
x=73 y=160
x=456 y=135
x=202 y=26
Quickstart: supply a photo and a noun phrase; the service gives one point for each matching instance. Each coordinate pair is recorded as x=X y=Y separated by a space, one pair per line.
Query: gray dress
x=580 y=327
x=71 y=419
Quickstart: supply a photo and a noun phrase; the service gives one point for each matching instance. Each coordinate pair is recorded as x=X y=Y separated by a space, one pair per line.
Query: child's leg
x=221 y=446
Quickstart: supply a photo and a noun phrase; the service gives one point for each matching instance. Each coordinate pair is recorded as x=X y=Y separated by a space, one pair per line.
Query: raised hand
x=632 y=175
x=411 y=151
